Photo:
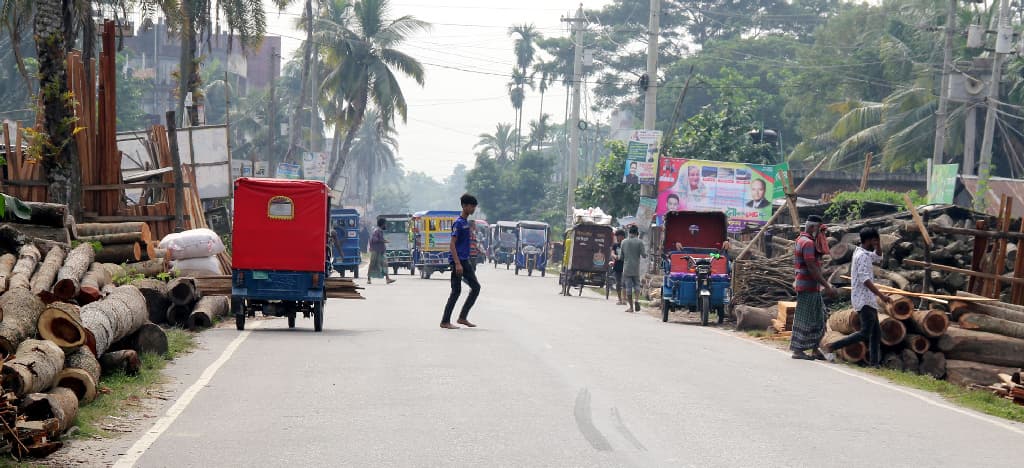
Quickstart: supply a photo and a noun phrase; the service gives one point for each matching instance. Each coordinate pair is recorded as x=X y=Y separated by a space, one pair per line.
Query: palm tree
x=361 y=60
x=539 y=131
x=499 y=144
x=373 y=150
x=547 y=72
x=517 y=95
x=525 y=51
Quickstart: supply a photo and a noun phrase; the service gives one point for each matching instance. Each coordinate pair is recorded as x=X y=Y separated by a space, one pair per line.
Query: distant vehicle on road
x=432 y=236
x=398 y=232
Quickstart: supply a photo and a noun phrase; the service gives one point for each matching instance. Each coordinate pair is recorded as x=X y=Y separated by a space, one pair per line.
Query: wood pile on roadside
x=335 y=288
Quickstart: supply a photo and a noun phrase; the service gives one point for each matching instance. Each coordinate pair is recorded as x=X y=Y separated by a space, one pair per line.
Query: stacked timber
x=127 y=242
x=335 y=288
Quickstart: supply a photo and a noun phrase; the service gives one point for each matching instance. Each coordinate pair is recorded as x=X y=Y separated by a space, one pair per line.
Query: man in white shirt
x=863 y=296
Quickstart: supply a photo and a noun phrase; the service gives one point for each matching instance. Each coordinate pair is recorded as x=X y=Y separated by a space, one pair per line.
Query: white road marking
x=895 y=388
x=138 y=449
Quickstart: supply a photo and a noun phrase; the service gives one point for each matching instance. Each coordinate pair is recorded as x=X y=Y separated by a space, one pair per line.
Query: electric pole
x=272 y=118
x=1004 y=38
x=574 y=119
x=314 y=93
x=651 y=94
x=941 y=116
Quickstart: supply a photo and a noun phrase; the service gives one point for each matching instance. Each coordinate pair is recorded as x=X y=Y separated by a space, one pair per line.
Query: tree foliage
x=605 y=189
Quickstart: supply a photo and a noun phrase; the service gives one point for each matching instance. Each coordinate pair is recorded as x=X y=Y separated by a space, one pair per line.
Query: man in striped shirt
x=809 y=321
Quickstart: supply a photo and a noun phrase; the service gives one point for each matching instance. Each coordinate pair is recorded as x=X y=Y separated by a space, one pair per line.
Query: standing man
x=809 y=322
x=620 y=236
x=463 y=268
x=632 y=249
x=863 y=297
x=378 y=254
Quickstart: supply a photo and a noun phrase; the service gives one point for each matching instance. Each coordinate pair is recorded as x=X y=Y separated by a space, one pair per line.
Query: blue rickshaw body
x=345 y=246
x=532 y=246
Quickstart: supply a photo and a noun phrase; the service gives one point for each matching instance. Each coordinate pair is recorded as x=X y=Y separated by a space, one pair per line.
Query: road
x=545 y=380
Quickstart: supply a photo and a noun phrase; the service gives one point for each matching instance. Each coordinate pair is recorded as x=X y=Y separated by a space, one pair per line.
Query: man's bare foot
x=466 y=323
x=450 y=326
x=390 y=280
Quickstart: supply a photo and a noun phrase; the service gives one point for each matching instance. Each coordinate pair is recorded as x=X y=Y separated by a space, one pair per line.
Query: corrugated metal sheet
x=997 y=187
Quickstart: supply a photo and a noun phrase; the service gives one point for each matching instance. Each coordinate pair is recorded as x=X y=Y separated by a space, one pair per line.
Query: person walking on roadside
x=463 y=268
x=632 y=249
x=863 y=297
x=378 y=258
x=620 y=235
x=809 y=322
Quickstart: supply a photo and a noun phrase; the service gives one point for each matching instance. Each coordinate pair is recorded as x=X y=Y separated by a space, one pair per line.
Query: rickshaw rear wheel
x=318 y=316
x=240 y=321
x=355 y=272
x=720 y=310
x=291 y=320
x=705 y=310
x=664 y=310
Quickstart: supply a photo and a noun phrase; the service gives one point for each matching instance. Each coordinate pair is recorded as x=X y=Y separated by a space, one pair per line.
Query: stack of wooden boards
x=335 y=288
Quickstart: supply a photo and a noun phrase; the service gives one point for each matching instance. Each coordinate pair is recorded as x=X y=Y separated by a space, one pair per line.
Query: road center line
x=929 y=400
x=138 y=449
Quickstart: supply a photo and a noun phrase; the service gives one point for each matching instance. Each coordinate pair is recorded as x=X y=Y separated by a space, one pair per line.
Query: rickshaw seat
x=679 y=265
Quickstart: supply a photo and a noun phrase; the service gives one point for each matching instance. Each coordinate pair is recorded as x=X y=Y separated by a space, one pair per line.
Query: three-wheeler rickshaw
x=345 y=241
x=695 y=264
x=481 y=241
x=432 y=236
x=532 y=246
x=503 y=248
x=587 y=258
x=399 y=249
x=280 y=259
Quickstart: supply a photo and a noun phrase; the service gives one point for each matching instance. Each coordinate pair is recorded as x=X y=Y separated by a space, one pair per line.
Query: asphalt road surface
x=545 y=381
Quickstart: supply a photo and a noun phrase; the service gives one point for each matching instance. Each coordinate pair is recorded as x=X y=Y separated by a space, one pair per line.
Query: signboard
x=639 y=172
x=314 y=166
x=288 y=171
x=744 y=192
x=439 y=240
x=591 y=248
x=646 y=212
x=942 y=184
x=241 y=168
x=261 y=169
x=641 y=156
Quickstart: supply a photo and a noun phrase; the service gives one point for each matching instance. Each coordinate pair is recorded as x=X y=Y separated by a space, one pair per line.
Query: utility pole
x=272 y=129
x=313 y=88
x=651 y=94
x=574 y=119
x=941 y=116
x=1004 y=38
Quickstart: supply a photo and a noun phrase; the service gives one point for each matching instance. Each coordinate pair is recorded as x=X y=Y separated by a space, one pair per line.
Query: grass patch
x=119 y=389
x=977 y=400
x=758 y=333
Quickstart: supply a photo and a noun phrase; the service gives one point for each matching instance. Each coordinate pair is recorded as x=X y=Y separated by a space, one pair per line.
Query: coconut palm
x=361 y=60
x=539 y=130
x=499 y=144
x=525 y=50
x=373 y=150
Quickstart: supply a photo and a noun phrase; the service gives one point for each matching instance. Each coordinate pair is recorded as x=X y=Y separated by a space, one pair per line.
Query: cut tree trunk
x=91 y=287
x=35 y=369
x=182 y=291
x=45 y=214
x=995 y=309
x=81 y=374
x=149 y=338
x=45 y=276
x=126 y=360
x=21 y=274
x=917 y=343
x=119 y=238
x=119 y=253
x=157 y=302
x=45 y=235
x=893 y=331
x=149 y=268
x=968 y=373
x=990 y=324
x=177 y=315
x=853 y=353
x=100 y=229
x=7 y=262
x=1004 y=305
x=930 y=323
x=13 y=239
x=20 y=310
x=61 y=323
x=115 y=317
x=842 y=253
x=901 y=307
x=933 y=364
x=911 y=363
x=60 y=404
x=845 y=321
x=892 y=361
x=986 y=348
x=70 y=275
x=898 y=280
x=747 y=317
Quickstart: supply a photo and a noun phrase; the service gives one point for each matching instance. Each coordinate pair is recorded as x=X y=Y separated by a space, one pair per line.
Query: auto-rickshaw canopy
x=279 y=225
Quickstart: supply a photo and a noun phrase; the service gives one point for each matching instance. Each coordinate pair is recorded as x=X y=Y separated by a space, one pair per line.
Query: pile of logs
x=119 y=242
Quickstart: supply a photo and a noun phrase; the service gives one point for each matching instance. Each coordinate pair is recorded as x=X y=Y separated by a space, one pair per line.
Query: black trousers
x=869 y=332
x=469 y=276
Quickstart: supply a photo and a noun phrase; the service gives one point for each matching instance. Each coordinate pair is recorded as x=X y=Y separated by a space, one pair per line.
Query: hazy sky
x=447 y=114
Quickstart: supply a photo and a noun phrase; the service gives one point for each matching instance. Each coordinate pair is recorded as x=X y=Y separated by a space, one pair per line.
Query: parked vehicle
x=480 y=241
x=397 y=231
x=532 y=246
x=696 y=266
x=503 y=250
x=345 y=242
x=432 y=235
x=587 y=258
x=280 y=259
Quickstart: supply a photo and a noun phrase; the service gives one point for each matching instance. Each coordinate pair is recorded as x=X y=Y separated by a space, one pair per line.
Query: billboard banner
x=641 y=157
x=288 y=171
x=943 y=183
x=314 y=166
x=639 y=172
x=744 y=192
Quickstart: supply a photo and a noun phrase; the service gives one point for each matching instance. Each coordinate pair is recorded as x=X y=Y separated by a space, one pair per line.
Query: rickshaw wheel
x=720 y=310
x=412 y=269
x=355 y=272
x=291 y=320
x=529 y=272
x=542 y=273
x=395 y=268
x=664 y=310
x=240 y=321
x=517 y=271
x=318 y=316
x=705 y=311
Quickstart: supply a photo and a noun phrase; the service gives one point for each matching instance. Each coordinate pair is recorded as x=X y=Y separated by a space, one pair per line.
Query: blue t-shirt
x=461 y=233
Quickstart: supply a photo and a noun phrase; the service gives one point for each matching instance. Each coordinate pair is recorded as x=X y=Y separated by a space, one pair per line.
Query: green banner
x=943 y=184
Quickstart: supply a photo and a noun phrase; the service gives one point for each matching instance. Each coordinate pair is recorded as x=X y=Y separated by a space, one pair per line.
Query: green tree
x=499 y=144
x=373 y=150
x=525 y=49
x=605 y=189
x=722 y=135
x=130 y=93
